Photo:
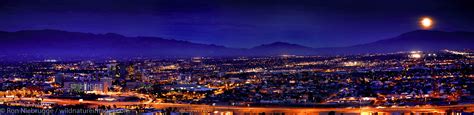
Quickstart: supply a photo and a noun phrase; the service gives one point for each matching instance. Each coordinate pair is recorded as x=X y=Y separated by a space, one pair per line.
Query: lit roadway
x=209 y=108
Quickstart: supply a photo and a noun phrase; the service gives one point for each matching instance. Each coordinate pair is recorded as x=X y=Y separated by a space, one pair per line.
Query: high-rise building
x=59 y=78
x=88 y=87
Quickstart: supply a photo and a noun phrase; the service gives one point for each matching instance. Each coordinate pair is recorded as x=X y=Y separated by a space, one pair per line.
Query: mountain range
x=63 y=43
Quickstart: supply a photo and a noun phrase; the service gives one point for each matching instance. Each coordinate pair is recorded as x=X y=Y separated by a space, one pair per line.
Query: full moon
x=426 y=23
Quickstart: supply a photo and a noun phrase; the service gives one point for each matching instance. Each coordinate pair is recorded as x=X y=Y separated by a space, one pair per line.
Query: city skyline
x=237 y=57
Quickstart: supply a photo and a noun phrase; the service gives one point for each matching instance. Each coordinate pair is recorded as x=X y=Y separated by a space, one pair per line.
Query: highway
x=209 y=108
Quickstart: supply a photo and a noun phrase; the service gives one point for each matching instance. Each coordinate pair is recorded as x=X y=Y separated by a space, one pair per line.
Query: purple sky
x=240 y=23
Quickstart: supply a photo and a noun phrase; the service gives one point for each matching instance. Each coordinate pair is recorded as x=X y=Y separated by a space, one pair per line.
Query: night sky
x=240 y=23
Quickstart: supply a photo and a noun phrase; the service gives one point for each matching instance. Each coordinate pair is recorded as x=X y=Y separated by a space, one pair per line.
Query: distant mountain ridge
x=279 y=48
x=59 y=43
x=63 y=43
x=422 y=40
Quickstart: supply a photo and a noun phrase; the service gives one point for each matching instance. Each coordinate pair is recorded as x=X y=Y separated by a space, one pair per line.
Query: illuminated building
x=88 y=87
